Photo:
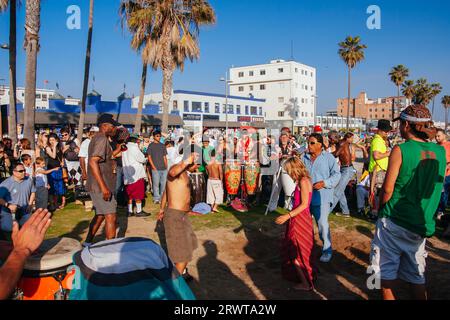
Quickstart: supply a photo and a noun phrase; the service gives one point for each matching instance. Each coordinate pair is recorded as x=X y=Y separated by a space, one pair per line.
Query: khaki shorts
x=101 y=206
x=180 y=238
x=214 y=193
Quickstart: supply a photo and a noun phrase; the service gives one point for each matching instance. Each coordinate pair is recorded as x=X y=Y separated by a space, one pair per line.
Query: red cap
x=317 y=129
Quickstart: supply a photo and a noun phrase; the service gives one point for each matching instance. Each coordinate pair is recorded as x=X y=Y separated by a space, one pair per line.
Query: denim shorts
x=398 y=253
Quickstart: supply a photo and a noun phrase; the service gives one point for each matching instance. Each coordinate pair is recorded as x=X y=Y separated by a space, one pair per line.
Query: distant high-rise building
x=288 y=87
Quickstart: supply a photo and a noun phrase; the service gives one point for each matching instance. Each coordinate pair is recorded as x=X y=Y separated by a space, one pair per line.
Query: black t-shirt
x=118 y=159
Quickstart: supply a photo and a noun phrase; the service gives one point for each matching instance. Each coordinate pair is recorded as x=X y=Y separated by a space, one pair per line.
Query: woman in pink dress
x=297 y=245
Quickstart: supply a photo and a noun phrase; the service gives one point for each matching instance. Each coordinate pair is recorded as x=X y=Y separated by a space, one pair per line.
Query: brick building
x=371 y=109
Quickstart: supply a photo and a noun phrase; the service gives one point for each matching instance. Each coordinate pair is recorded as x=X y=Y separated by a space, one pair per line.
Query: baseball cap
x=107 y=118
x=317 y=129
x=94 y=129
x=384 y=125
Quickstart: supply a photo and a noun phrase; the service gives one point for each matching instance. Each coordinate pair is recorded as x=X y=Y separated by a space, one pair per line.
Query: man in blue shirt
x=325 y=175
x=19 y=193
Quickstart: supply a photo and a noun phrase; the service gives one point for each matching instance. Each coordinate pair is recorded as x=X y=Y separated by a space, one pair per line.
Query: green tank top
x=418 y=187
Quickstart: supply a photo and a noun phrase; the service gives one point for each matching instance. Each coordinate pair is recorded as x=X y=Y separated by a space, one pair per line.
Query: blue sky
x=414 y=33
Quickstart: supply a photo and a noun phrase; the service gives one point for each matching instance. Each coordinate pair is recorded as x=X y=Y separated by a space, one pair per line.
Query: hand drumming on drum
x=25 y=242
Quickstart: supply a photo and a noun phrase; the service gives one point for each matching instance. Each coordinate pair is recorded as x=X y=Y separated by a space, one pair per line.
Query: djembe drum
x=251 y=173
x=232 y=176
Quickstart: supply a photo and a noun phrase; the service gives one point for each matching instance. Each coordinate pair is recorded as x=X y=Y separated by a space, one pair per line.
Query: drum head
x=53 y=254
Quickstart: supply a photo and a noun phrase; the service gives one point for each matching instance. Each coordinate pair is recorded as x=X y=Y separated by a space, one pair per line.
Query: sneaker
x=339 y=214
x=326 y=257
x=142 y=214
x=130 y=214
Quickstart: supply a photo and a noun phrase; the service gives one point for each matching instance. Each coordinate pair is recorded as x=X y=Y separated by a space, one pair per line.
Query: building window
x=281 y=99
x=312 y=74
x=306 y=100
x=196 y=107
x=312 y=88
x=206 y=107
x=241 y=89
x=38 y=96
x=306 y=87
x=262 y=72
x=217 y=107
x=251 y=88
x=281 y=114
x=251 y=73
x=254 y=111
x=230 y=109
x=246 y=110
x=224 y=109
x=186 y=106
x=303 y=100
x=303 y=72
x=238 y=109
x=296 y=70
x=175 y=105
x=260 y=111
x=303 y=114
x=2 y=92
x=296 y=114
x=280 y=70
x=262 y=87
x=241 y=74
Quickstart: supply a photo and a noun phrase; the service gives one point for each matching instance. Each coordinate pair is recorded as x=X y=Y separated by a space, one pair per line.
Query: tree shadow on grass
x=78 y=231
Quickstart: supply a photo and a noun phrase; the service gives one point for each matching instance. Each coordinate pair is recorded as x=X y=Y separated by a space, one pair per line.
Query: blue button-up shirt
x=326 y=169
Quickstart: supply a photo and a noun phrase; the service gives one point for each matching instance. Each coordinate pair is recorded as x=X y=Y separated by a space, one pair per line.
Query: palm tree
x=422 y=92
x=436 y=89
x=351 y=52
x=87 y=65
x=446 y=103
x=408 y=89
x=398 y=75
x=129 y=12
x=173 y=27
x=32 y=27
x=12 y=119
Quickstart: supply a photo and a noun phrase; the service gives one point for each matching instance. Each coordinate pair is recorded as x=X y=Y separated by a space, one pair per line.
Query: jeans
x=119 y=192
x=347 y=174
x=321 y=214
x=6 y=220
x=445 y=193
x=361 y=195
x=159 y=178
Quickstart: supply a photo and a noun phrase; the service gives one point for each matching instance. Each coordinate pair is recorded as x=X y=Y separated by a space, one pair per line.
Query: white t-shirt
x=84 y=151
x=41 y=178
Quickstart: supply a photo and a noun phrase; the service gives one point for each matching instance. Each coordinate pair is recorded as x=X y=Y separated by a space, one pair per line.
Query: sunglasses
x=311 y=143
x=20 y=171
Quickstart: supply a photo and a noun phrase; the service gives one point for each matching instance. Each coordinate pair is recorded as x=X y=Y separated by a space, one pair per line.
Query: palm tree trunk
x=167 y=93
x=12 y=118
x=138 y=123
x=87 y=65
x=349 y=94
x=446 y=118
x=32 y=26
x=432 y=109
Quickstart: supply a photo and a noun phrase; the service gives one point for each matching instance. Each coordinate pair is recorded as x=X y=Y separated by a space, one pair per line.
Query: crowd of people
x=399 y=186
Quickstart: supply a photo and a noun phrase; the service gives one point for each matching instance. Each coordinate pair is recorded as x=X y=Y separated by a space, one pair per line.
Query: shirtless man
x=180 y=238
x=344 y=154
x=214 y=193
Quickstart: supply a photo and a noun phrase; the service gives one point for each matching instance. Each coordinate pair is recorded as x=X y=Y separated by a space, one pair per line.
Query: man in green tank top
x=409 y=199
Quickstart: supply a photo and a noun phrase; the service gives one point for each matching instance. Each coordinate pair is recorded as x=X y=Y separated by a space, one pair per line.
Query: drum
x=232 y=176
x=251 y=173
x=45 y=275
x=198 y=188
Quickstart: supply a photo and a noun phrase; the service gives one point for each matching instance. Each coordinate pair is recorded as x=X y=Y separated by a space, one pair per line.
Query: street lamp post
x=315 y=108
x=227 y=82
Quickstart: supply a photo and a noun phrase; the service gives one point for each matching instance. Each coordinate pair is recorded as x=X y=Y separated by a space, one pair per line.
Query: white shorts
x=398 y=253
x=214 y=192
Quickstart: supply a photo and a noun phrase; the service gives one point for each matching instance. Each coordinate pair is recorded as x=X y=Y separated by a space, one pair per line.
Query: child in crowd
x=28 y=164
x=42 y=185
x=214 y=186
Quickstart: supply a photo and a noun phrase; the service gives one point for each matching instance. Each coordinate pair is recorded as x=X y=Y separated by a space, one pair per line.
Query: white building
x=288 y=87
x=42 y=96
x=334 y=122
x=202 y=109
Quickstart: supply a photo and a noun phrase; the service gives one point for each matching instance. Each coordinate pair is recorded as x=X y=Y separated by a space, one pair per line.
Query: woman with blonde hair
x=298 y=242
x=41 y=145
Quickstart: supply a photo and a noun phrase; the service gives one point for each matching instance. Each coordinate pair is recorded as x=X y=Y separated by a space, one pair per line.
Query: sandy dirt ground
x=244 y=264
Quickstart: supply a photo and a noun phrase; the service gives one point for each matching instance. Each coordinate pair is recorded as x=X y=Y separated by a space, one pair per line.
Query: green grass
x=73 y=220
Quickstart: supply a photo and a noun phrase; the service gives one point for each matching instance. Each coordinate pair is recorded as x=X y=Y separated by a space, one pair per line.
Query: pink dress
x=297 y=245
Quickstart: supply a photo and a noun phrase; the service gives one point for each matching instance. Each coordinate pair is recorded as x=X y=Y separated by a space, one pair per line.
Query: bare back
x=214 y=171
x=344 y=154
